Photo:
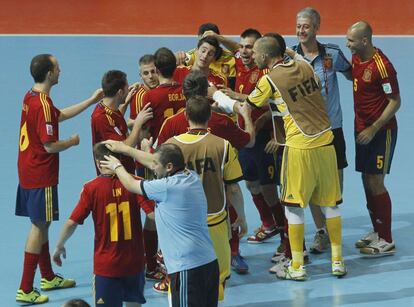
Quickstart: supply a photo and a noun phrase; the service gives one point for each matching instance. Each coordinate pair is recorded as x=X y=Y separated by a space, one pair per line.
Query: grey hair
x=312 y=14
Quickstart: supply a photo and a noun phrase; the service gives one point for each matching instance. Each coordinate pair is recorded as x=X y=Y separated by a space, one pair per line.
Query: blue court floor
x=83 y=60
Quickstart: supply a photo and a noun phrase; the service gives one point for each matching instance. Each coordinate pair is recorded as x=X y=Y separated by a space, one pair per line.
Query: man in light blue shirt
x=181 y=219
x=327 y=60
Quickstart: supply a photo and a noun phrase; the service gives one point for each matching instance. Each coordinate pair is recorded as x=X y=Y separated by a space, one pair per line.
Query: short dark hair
x=77 y=302
x=40 y=65
x=208 y=27
x=250 y=32
x=198 y=109
x=171 y=153
x=164 y=60
x=100 y=151
x=146 y=59
x=213 y=42
x=113 y=81
x=195 y=83
x=280 y=41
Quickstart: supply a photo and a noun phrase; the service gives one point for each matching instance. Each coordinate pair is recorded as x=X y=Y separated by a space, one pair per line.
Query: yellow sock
x=296 y=236
x=334 y=226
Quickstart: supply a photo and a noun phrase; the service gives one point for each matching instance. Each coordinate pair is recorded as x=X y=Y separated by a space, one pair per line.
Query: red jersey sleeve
x=48 y=120
x=82 y=209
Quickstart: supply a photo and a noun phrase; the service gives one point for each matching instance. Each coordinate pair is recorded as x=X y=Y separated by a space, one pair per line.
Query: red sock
x=264 y=211
x=382 y=208
x=234 y=241
x=371 y=211
x=29 y=271
x=45 y=264
x=278 y=214
x=150 y=247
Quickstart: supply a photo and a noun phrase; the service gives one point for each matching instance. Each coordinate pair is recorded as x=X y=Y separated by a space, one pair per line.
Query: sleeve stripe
x=381 y=66
x=110 y=120
x=46 y=107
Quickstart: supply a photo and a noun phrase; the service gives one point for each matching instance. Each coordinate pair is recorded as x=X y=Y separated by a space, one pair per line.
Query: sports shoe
x=280 y=265
x=338 y=268
x=320 y=242
x=161 y=287
x=367 y=239
x=262 y=235
x=33 y=297
x=156 y=275
x=160 y=258
x=378 y=248
x=288 y=272
x=58 y=282
x=239 y=265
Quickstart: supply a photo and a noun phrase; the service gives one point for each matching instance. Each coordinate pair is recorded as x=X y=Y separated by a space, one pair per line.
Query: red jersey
x=38 y=125
x=246 y=79
x=216 y=78
x=108 y=124
x=118 y=246
x=374 y=80
x=136 y=102
x=219 y=124
x=166 y=100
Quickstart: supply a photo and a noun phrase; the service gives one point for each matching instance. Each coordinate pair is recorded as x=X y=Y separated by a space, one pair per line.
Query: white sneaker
x=338 y=268
x=290 y=273
x=280 y=265
x=320 y=242
x=367 y=239
x=379 y=248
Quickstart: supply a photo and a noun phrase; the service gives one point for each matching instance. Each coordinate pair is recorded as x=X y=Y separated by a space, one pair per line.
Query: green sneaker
x=58 y=282
x=33 y=297
x=288 y=272
x=338 y=268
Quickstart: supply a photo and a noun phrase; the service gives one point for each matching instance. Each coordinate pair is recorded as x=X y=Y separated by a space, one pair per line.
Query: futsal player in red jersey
x=149 y=77
x=118 y=262
x=207 y=50
x=108 y=122
x=38 y=168
x=376 y=100
x=167 y=98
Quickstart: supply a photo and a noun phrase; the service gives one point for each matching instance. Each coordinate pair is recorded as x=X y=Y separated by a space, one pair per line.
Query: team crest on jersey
x=253 y=77
x=327 y=61
x=49 y=129
x=118 y=131
x=225 y=69
x=366 y=76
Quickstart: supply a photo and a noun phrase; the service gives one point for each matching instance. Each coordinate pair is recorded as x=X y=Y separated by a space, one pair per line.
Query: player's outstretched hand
x=146 y=144
x=97 y=96
x=59 y=251
x=74 y=139
x=271 y=147
x=241 y=225
x=144 y=115
x=116 y=146
x=110 y=162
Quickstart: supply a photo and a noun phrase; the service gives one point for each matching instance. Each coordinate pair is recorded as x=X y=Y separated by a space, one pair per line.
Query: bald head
x=269 y=46
x=362 y=29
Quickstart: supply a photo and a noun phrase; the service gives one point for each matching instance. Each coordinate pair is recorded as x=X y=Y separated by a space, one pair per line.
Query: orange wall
x=183 y=17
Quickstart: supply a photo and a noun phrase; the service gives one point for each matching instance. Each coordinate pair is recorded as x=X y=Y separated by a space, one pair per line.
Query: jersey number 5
x=113 y=209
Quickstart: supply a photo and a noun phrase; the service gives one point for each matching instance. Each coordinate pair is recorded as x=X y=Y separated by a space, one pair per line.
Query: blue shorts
x=376 y=156
x=41 y=204
x=260 y=166
x=112 y=291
